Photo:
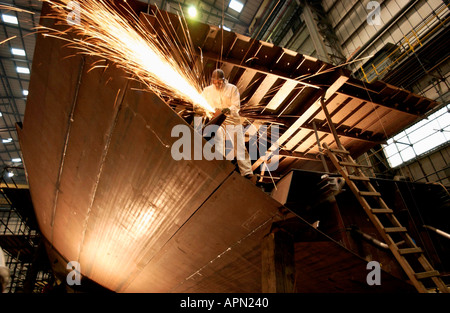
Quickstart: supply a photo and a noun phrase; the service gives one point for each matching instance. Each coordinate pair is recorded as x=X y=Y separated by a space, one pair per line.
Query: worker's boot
x=251 y=177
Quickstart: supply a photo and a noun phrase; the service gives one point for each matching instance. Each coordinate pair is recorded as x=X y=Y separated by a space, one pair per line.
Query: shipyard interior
x=346 y=121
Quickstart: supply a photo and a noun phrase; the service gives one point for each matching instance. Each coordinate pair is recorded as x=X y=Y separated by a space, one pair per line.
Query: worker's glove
x=226 y=111
x=217 y=112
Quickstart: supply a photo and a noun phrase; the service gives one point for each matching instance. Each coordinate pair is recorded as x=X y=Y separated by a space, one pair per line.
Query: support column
x=278 y=264
x=316 y=38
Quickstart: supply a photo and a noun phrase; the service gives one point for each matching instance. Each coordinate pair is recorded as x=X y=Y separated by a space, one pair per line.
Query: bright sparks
x=107 y=34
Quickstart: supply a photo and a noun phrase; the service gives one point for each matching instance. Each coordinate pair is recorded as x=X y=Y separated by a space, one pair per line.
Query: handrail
x=410 y=40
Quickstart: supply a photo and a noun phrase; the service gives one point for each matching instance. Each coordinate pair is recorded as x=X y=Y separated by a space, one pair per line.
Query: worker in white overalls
x=4 y=272
x=225 y=98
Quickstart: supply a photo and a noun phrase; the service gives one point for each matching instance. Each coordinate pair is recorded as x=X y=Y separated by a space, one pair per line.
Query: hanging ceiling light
x=10 y=19
x=17 y=51
x=192 y=11
x=22 y=70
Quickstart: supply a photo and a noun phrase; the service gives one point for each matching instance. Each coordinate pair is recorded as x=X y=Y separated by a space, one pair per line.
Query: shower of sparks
x=8 y=39
x=105 y=33
x=13 y=8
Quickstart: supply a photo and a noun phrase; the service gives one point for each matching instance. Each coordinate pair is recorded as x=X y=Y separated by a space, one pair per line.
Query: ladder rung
x=395 y=229
x=409 y=250
x=354 y=177
x=339 y=151
x=376 y=211
x=426 y=274
x=370 y=193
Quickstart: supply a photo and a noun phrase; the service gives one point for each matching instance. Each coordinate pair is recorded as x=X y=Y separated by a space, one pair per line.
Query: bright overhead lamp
x=10 y=174
x=10 y=19
x=16 y=51
x=25 y=92
x=23 y=70
x=236 y=5
x=226 y=28
x=8 y=140
x=192 y=11
x=16 y=160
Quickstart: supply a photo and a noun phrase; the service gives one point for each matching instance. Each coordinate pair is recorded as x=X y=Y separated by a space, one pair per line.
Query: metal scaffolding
x=20 y=239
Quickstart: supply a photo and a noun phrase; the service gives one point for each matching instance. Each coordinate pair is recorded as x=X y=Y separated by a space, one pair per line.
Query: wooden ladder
x=383 y=218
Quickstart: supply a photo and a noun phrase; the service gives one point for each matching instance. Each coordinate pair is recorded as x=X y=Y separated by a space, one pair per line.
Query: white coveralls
x=228 y=97
x=4 y=272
